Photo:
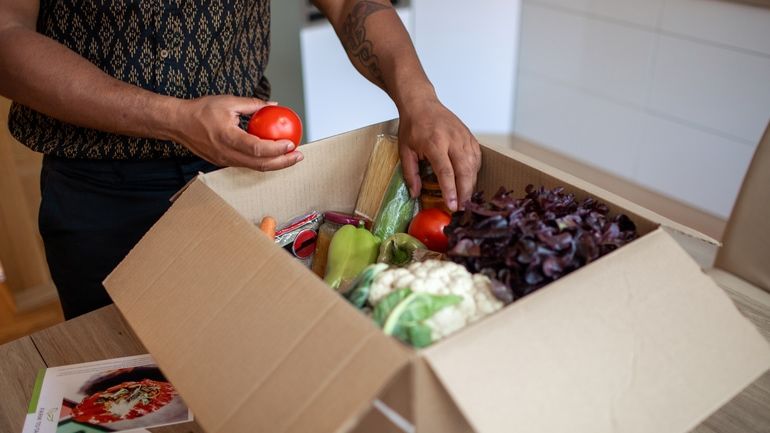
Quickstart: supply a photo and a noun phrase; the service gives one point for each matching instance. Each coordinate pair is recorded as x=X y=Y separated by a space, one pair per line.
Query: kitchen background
x=661 y=100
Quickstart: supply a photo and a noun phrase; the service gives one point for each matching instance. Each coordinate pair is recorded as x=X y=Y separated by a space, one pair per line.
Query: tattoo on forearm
x=354 y=38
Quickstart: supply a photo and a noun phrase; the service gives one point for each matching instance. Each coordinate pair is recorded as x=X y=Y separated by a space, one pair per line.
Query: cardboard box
x=638 y=341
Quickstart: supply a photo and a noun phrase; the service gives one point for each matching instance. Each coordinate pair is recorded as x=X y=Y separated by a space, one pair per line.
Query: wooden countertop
x=102 y=334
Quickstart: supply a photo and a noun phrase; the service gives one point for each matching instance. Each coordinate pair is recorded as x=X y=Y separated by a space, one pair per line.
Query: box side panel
x=746 y=250
x=398 y=394
x=313 y=390
x=640 y=341
x=513 y=170
x=392 y=412
x=376 y=422
x=752 y=301
x=434 y=409
x=233 y=320
x=329 y=178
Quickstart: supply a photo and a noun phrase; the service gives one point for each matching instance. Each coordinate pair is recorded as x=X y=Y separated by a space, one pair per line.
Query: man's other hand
x=209 y=127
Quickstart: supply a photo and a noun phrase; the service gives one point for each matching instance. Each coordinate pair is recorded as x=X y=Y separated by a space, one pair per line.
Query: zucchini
x=397 y=208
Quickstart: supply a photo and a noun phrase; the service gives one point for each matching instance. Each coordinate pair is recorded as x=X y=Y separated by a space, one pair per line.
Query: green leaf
x=420 y=335
x=387 y=304
x=406 y=319
x=362 y=285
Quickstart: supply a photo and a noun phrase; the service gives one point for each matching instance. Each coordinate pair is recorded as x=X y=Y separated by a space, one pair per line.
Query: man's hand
x=379 y=47
x=209 y=127
x=428 y=130
x=54 y=79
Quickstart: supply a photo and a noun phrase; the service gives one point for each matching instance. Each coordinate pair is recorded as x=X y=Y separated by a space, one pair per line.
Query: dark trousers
x=93 y=212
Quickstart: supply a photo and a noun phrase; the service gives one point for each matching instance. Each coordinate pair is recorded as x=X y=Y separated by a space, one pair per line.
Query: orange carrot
x=268 y=226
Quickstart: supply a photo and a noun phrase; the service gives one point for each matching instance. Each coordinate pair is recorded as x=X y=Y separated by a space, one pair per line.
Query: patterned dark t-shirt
x=181 y=48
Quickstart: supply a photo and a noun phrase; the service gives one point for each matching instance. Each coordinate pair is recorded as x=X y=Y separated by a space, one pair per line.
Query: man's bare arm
x=46 y=76
x=380 y=48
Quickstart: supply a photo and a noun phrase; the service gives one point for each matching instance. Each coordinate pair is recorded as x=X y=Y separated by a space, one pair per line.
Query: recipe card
x=122 y=394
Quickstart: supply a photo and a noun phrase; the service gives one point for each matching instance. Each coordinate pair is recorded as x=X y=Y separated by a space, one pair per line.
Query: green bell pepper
x=398 y=249
x=350 y=251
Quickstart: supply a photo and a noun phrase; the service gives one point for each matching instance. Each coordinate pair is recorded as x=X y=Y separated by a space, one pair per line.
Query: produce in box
x=399 y=249
x=407 y=315
x=351 y=250
x=428 y=226
x=425 y=301
x=397 y=208
x=528 y=242
x=498 y=251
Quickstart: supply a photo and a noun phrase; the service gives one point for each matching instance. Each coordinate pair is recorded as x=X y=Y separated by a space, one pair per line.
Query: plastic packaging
x=397 y=208
x=299 y=235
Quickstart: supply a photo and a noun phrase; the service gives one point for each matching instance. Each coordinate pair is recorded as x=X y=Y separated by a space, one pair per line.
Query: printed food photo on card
x=104 y=396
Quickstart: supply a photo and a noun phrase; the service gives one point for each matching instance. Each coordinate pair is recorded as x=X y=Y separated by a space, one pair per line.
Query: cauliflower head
x=441 y=278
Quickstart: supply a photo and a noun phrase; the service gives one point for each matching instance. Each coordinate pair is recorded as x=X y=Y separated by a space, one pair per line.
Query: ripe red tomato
x=428 y=227
x=275 y=122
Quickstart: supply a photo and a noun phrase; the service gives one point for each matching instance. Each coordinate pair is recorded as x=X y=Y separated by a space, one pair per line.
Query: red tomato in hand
x=428 y=227
x=274 y=122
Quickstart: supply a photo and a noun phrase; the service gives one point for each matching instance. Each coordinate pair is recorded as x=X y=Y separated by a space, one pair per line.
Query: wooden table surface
x=104 y=334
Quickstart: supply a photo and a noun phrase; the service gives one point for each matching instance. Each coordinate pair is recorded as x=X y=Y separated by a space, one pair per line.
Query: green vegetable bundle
x=397 y=208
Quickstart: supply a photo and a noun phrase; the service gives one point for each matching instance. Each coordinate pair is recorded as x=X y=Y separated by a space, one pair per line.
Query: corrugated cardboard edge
x=254 y=194
x=198 y=177
x=752 y=301
x=601 y=193
x=683 y=339
x=746 y=249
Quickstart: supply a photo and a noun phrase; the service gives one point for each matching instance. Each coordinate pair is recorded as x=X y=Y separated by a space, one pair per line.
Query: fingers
x=442 y=166
x=245 y=150
x=410 y=167
x=253 y=146
x=211 y=130
x=247 y=106
x=265 y=164
x=466 y=160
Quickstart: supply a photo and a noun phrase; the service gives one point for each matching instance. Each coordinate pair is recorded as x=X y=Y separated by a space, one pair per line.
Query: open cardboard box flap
x=632 y=345
x=603 y=345
x=746 y=249
x=252 y=340
x=255 y=342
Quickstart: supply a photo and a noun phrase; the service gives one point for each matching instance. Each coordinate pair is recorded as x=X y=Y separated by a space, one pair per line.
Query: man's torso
x=181 y=48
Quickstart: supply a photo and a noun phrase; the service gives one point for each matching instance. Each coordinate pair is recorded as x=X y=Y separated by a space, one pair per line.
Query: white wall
x=337 y=98
x=285 y=67
x=672 y=94
x=468 y=49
